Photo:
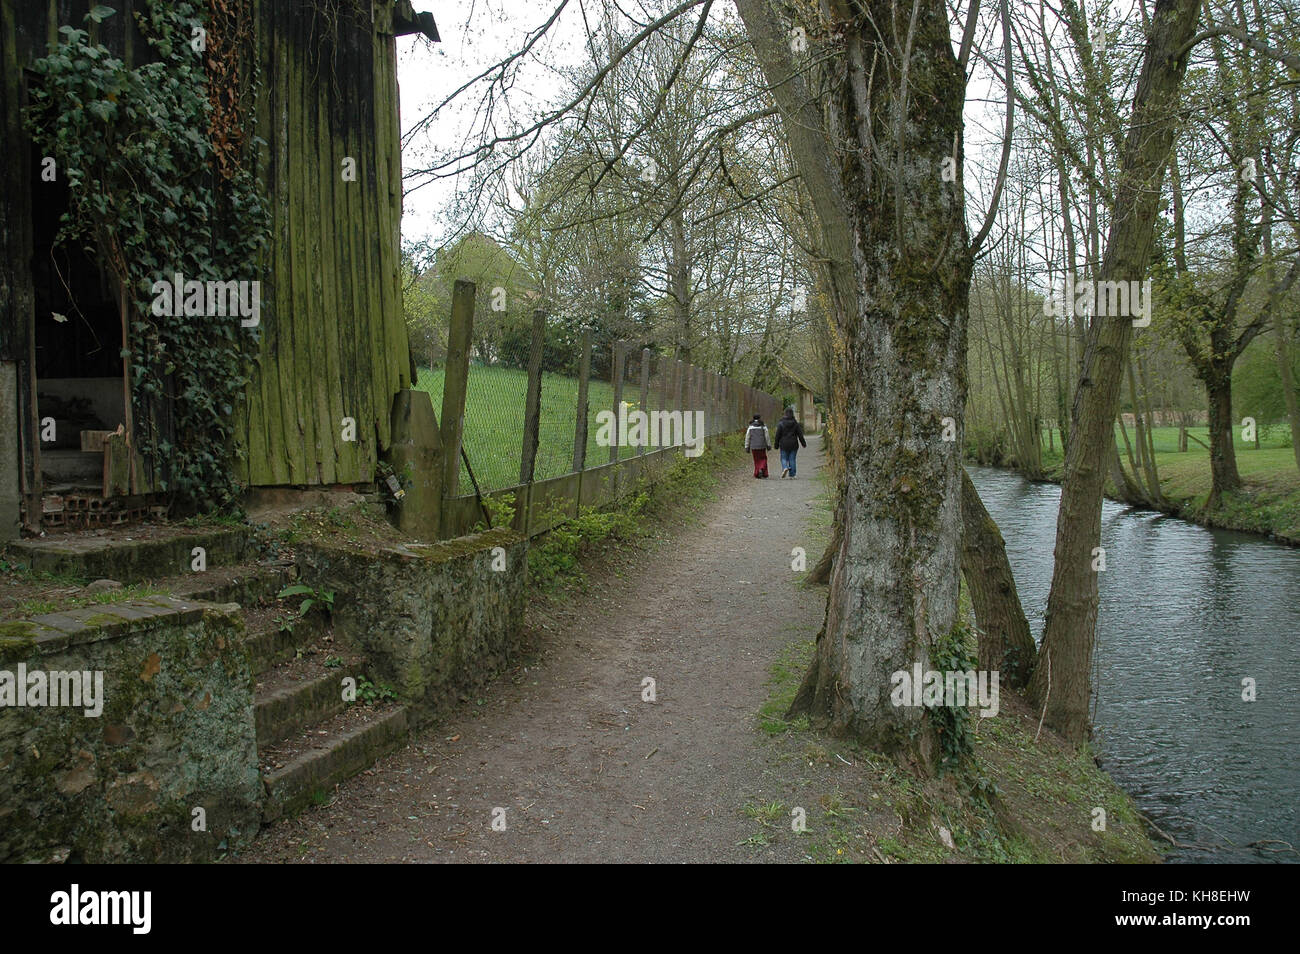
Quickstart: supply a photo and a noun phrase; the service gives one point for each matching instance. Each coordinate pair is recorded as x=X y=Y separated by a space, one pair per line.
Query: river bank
x=1267 y=505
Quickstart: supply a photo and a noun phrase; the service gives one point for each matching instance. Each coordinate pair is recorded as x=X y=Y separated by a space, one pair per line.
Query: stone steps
x=278 y=639
x=308 y=738
x=134 y=554
x=245 y=583
x=302 y=769
x=295 y=695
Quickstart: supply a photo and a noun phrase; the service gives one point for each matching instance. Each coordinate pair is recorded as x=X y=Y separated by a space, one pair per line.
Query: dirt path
x=586 y=770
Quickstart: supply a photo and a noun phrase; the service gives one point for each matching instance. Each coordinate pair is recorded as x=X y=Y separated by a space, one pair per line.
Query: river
x=1186 y=614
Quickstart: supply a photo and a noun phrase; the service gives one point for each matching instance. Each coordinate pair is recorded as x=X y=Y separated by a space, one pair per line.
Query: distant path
x=586 y=770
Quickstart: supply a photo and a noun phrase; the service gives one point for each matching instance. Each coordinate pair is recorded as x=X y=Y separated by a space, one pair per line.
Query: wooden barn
x=330 y=350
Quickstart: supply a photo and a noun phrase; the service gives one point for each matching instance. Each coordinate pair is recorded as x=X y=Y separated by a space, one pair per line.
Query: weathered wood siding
x=333 y=339
x=334 y=343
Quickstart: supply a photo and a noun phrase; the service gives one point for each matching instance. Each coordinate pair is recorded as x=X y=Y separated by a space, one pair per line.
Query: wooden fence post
x=716 y=403
x=616 y=378
x=706 y=399
x=580 y=428
x=709 y=382
x=679 y=390
x=533 y=402
x=455 y=383
x=645 y=399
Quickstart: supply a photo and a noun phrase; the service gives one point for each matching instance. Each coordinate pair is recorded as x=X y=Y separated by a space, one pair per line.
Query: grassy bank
x=1024 y=796
x=1268 y=502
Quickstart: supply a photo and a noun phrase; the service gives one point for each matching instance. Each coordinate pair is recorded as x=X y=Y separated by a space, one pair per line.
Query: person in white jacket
x=757 y=442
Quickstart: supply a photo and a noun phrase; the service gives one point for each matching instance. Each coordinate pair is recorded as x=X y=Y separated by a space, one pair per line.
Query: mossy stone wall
x=175 y=734
x=436 y=621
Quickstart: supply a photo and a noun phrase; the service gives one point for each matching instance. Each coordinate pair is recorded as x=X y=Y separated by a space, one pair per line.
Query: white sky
x=475 y=34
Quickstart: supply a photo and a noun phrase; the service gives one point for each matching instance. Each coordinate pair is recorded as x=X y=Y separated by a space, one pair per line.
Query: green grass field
x=1270 y=498
x=494 y=423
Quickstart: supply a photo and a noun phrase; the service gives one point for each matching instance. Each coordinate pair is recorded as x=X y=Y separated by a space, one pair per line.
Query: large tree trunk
x=1065 y=658
x=1223 y=456
x=896 y=113
x=1005 y=643
x=894 y=588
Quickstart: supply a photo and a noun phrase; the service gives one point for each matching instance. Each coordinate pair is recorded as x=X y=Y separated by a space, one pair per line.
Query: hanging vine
x=159 y=160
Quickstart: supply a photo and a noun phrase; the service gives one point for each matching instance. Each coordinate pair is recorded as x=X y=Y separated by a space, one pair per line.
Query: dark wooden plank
x=299 y=382
x=262 y=439
x=397 y=350
x=117 y=466
x=580 y=422
x=533 y=399
x=329 y=402
x=358 y=139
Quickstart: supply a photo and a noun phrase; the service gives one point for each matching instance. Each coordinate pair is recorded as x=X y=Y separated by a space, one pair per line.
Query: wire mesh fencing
x=541 y=406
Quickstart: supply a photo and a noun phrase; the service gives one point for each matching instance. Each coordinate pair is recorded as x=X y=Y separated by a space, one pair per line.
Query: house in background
x=333 y=340
x=807 y=396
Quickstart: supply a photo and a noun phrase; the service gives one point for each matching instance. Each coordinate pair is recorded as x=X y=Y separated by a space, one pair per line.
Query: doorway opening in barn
x=81 y=386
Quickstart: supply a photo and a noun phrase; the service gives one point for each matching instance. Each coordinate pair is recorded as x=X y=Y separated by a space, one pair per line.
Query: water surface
x=1186 y=614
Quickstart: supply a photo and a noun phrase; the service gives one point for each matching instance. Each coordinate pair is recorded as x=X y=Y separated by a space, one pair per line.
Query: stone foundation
x=175 y=734
x=436 y=621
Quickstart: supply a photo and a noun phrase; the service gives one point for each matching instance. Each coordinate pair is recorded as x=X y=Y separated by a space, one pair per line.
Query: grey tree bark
x=895 y=116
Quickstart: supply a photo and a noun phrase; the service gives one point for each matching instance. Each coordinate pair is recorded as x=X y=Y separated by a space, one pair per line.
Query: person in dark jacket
x=757 y=443
x=788 y=440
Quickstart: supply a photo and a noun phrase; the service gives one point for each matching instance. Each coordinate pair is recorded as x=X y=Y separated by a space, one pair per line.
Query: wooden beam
x=616 y=378
x=580 y=424
x=645 y=389
x=455 y=385
x=533 y=400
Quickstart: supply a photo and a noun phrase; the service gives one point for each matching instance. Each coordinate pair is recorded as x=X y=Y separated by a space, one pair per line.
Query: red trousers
x=760 y=463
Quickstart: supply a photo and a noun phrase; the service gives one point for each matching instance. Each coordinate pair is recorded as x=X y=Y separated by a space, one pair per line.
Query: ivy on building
x=159 y=157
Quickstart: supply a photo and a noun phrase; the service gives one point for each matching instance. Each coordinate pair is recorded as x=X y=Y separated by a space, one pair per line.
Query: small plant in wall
x=313 y=599
x=369 y=694
x=499 y=512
